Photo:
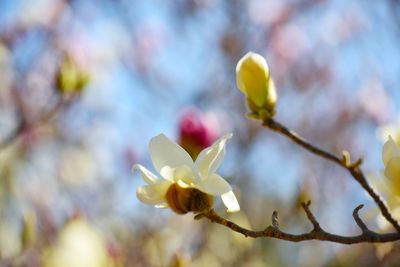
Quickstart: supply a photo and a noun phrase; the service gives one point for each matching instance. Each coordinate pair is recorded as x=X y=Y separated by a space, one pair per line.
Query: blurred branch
x=353 y=168
x=24 y=124
x=13 y=136
x=317 y=233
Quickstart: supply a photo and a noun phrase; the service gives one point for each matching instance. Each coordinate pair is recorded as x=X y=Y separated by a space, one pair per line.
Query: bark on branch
x=353 y=168
x=317 y=233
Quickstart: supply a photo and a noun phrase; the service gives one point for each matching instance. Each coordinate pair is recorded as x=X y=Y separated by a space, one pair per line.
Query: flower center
x=183 y=200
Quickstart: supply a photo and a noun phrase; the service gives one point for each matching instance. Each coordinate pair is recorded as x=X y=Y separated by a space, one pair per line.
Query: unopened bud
x=253 y=79
x=70 y=78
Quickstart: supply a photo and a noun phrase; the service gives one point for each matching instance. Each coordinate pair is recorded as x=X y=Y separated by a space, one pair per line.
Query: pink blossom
x=197 y=130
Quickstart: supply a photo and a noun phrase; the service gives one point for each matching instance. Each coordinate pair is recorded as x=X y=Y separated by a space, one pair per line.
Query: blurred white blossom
x=79 y=245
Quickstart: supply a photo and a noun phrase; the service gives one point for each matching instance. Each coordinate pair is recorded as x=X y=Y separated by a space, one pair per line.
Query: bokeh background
x=67 y=193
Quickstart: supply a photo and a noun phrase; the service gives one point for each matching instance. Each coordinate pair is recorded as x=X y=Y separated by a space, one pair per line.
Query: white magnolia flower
x=176 y=167
x=391 y=160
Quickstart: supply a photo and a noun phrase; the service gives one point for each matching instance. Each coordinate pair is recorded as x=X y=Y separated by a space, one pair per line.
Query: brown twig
x=353 y=168
x=310 y=216
x=317 y=233
x=358 y=220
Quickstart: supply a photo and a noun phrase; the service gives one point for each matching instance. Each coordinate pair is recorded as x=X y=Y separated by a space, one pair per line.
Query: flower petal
x=210 y=158
x=147 y=175
x=164 y=152
x=390 y=150
x=230 y=201
x=161 y=206
x=392 y=172
x=183 y=173
x=214 y=185
x=153 y=194
x=167 y=173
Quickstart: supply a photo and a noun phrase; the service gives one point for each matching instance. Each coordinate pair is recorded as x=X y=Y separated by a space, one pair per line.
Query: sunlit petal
x=147 y=175
x=167 y=173
x=230 y=201
x=210 y=158
x=153 y=194
x=214 y=185
x=161 y=206
x=183 y=173
x=164 y=152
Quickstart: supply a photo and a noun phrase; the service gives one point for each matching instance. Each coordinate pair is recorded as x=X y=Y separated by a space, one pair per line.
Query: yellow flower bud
x=69 y=78
x=253 y=79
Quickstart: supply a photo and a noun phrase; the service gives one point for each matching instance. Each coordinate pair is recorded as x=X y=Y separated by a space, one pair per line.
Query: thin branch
x=358 y=220
x=310 y=216
x=279 y=128
x=13 y=136
x=315 y=234
x=23 y=125
x=353 y=168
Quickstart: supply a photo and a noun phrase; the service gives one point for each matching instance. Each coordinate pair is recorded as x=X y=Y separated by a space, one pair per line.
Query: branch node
x=358 y=220
x=346 y=161
x=310 y=215
x=356 y=164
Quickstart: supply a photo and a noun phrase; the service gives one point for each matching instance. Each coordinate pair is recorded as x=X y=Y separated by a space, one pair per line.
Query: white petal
x=210 y=158
x=167 y=173
x=147 y=175
x=164 y=152
x=183 y=173
x=230 y=202
x=162 y=206
x=183 y=184
x=390 y=150
x=153 y=194
x=214 y=185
